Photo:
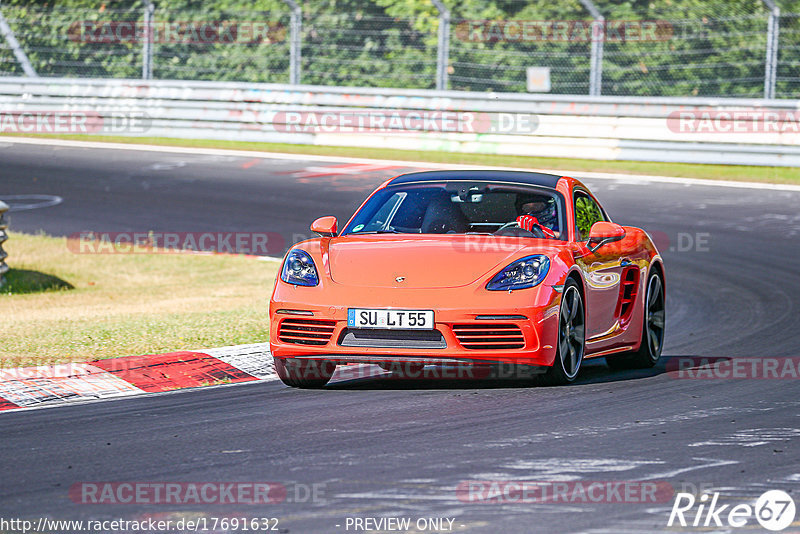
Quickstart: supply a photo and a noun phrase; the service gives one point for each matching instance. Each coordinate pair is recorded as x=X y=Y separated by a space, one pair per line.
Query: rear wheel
x=652 y=330
x=304 y=373
x=571 y=338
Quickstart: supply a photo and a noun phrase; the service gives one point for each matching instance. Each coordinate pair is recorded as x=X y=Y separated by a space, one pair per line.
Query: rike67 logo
x=774 y=510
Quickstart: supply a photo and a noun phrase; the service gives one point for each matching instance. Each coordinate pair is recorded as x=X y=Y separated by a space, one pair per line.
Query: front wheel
x=571 y=338
x=306 y=374
x=652 y=330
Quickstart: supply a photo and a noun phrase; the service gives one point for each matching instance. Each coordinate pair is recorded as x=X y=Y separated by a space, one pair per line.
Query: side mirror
x=325 y=226
x=604 y=232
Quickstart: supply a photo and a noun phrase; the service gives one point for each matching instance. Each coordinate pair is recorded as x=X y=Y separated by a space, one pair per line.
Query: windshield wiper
x=385 y=231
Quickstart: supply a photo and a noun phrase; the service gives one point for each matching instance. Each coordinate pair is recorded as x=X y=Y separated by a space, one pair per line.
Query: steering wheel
x=515 y=230
x=512 y=224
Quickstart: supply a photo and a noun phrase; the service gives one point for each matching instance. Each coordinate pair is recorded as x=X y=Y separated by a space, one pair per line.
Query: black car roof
x=517 y=177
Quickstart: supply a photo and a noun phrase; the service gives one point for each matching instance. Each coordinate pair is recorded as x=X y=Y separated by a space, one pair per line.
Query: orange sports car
x=469 y=268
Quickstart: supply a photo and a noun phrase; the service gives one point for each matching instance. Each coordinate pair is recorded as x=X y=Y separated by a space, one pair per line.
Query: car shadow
x=593 y=371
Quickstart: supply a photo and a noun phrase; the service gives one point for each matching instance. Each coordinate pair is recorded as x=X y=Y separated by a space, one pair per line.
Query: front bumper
x=532 y=312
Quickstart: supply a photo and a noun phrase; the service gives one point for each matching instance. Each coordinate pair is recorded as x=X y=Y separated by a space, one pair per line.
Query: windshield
x=461 y=208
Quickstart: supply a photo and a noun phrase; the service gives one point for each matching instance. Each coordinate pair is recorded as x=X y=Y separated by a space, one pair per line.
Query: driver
x=537 y=210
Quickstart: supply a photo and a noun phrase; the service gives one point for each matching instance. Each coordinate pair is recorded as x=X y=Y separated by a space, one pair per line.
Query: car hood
x=421 y=261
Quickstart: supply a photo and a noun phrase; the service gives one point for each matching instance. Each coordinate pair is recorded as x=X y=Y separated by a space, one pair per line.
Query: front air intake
x=481 y=336
x=306 y=331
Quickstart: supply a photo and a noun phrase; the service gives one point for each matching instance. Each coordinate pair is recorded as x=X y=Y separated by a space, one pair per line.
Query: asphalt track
x=387 y=447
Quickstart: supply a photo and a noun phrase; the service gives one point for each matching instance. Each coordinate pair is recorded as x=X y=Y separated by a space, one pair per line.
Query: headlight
x=299 y=269
x=525 y=272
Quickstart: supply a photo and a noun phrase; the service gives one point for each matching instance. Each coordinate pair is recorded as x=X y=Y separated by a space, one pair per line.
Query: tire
x=306 y=374
x=652 y=337
x=571 y=338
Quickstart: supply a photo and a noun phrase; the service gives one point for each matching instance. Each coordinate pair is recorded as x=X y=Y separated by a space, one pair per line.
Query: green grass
x=779 y=175
x=59 y=306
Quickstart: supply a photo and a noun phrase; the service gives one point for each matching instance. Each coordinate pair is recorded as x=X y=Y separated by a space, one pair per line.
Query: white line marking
x=752 y=437
x=30 y=202
x=711 y=463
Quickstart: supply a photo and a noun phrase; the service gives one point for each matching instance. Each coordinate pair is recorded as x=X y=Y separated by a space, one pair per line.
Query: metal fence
x=743 y=49
x=742 y=131
x=788 y=50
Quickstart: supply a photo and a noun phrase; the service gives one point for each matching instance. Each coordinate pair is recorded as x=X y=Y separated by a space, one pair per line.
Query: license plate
x=390 y=319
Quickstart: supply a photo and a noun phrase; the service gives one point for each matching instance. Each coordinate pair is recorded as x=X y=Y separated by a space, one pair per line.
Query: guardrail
x=3 y=239
x=721 y=131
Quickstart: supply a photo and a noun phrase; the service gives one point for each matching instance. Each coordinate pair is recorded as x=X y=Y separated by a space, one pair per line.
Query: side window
x=587 y=212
